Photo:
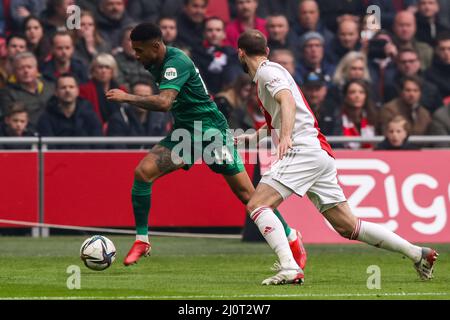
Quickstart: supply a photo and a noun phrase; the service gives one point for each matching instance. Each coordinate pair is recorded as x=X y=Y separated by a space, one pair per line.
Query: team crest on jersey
x=171 y=73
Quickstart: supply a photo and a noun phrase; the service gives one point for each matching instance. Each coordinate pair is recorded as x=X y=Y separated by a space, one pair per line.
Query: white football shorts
x=306 y=171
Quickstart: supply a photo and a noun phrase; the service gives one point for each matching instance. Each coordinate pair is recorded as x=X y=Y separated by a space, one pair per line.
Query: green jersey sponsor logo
x=171 y=73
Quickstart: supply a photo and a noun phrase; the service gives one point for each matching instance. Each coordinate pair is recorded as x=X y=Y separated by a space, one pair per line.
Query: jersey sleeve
x=274 y=80
x=175 y=74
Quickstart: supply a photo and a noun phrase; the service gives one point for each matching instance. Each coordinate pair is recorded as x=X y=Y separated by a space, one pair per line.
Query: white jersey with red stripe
x=270 y=79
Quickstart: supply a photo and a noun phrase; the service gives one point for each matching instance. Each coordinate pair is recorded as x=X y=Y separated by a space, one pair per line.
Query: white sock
x=380 y=237
x=143 y=238
x=272 y=230
x=292 y=235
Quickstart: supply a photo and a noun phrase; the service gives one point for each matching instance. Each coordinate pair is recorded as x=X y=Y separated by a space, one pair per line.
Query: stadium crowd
x=358 y=80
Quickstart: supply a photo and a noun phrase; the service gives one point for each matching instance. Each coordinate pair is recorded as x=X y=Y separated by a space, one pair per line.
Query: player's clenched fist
x=116 y=95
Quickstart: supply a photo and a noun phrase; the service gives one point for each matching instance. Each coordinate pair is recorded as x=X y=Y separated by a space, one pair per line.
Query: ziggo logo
x=366 y=183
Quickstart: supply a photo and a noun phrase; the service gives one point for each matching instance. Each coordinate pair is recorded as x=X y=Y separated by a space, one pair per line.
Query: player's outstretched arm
x=287 y=103
x=258 y=136
x=159 y=102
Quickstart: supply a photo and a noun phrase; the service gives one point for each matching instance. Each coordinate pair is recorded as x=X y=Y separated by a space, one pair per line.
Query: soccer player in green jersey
x=183 y=92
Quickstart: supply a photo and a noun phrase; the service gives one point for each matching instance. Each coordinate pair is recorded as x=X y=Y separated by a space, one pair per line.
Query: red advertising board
x=94 y=189
x=19 y=186
x=407 y=192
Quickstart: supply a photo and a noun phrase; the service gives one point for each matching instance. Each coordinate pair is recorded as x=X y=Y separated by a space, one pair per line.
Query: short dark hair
x=443 y=36
x=15 y=35
x=408 y=49
x=186 y=2
x=253 y=42
x=16 y=107
x=146 y=31
x=166 y=17
x=416 y=79
x=67 y=75
x=62 y=33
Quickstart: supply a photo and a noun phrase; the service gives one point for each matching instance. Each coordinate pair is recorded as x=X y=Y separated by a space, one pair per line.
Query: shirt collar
x=257 y=70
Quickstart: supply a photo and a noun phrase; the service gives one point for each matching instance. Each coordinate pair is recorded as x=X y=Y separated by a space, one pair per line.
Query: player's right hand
x=116 y=95
x=283 y=147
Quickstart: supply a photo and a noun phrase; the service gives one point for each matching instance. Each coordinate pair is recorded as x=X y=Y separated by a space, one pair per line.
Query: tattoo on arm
x=160 y=102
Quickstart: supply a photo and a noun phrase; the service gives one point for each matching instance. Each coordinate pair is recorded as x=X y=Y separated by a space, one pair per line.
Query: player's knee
x=143 y=173
x=252 y=206
x=344 y=231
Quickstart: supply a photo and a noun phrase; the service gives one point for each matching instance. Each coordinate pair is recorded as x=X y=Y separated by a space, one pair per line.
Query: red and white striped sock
x=380 y=237
x=272 y=230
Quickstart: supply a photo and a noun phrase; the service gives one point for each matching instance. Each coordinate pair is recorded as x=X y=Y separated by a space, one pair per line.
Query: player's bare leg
x=260 y=207
x=160 y=161
x=350 y=227
x=243 y=188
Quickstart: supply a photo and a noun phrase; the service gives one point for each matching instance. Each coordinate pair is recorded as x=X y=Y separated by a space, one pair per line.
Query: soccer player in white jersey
x=305 y=165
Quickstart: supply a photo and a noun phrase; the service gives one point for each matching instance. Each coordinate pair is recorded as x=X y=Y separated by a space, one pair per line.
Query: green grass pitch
x=216 y=269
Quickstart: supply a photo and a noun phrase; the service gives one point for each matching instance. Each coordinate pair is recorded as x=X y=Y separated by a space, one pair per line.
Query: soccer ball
x=98 y=253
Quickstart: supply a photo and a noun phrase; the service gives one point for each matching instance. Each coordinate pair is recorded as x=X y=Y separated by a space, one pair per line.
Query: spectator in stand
x=27 y=88
x=151 y=10
x=428 y=24
x=88 y=41
x=103 y=72
x=408 y=64
x=68 y=116
x=408 y=106
x=218 y=64
x=396 y=135
x=16 y=124
x=3 y=61
x=325 y=109
x=381 y=54
x=313 y=57
x=246 y=19
x=439 y=72
x=332 y=11
x=169 y=30
x=280 y=35
x=130 y=69
x=287 y=8
x=111 y=19
x=351 y=67
x=348 y=39
x=63 y=60
x=55 y=16
x=145 y=10
x=284 y=57
x=38 y=43
x=232 y=102
x=133 y=122
x=22 y=9
x=359 y=116
x=15 y=44
x=309 y=20
x=404 y=33
x=388 y=11
x=440 y=123
x=191 y=23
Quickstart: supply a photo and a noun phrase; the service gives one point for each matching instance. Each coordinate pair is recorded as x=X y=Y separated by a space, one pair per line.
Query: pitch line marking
x=302 y=295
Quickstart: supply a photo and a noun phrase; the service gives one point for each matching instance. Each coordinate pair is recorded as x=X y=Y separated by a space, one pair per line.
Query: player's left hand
x=283 y=147
x=116 y=95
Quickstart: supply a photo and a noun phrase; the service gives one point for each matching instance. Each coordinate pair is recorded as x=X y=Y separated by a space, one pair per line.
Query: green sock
x=141 y=198
x=286 y=227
